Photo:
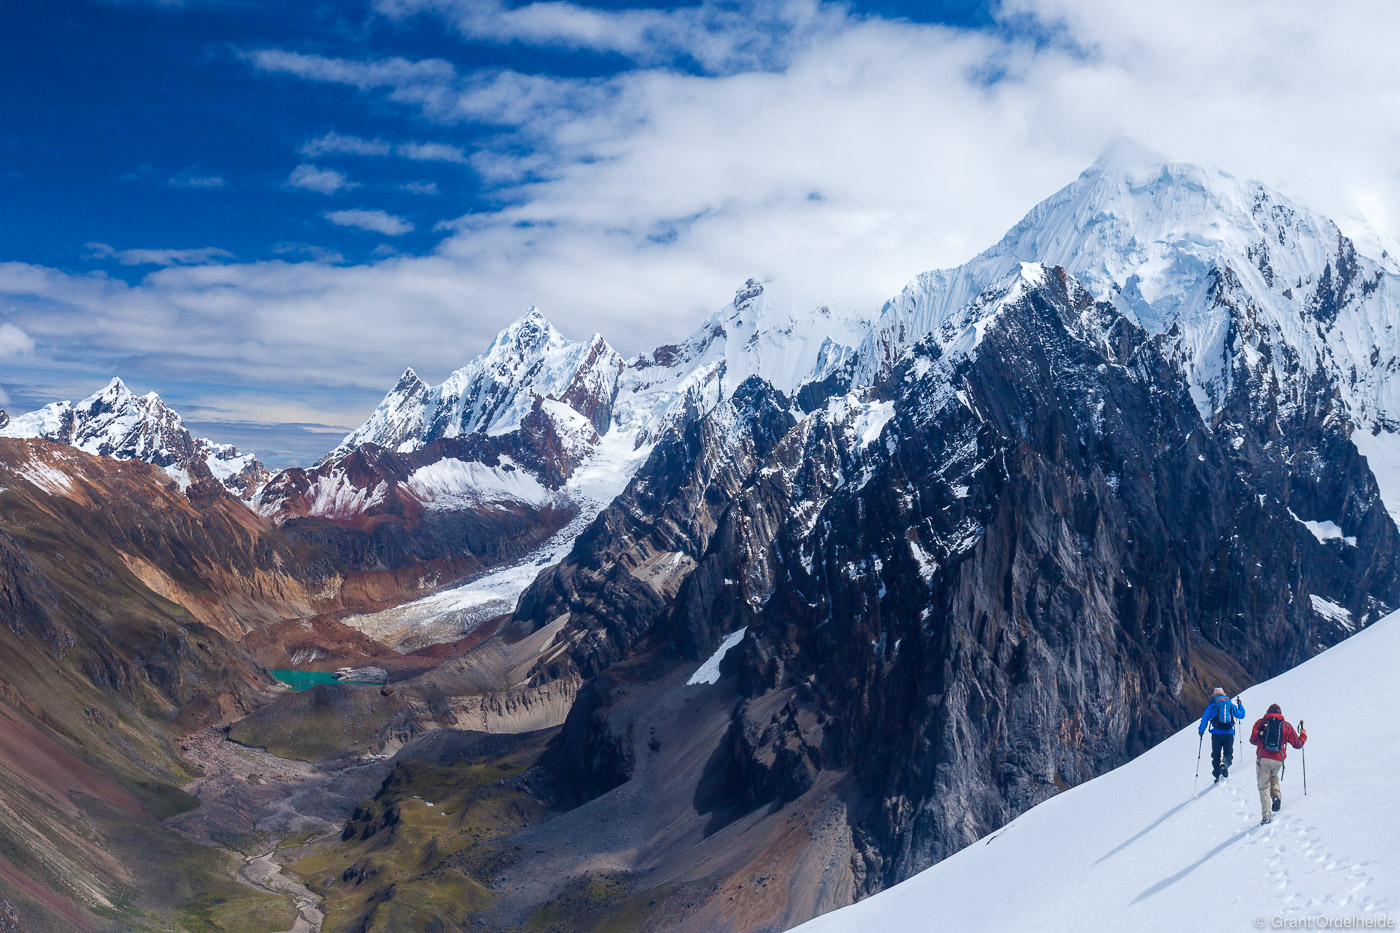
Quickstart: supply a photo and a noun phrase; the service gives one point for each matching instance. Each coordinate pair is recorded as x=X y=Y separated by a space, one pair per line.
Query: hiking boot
x=1266 y=820
x=1278 y=802
x=1225 y=772
x=1217 y=779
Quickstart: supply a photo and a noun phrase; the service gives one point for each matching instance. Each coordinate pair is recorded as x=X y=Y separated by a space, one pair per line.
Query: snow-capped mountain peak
x=760 y=333
x=115 y=422
x=1218 y=261
x=528 y=361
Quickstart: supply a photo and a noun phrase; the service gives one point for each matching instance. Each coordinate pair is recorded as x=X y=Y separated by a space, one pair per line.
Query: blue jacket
x=1208 y=717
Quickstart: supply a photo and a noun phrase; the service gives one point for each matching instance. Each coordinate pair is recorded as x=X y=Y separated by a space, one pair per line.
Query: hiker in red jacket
x=1271 y=736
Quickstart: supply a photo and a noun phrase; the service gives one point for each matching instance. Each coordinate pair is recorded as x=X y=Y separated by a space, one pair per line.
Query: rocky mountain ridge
x=530 y=361
x=1023 y=559
x=1240 y=281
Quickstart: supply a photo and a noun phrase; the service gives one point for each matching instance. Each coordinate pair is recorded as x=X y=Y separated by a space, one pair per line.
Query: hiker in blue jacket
x=1220 y=715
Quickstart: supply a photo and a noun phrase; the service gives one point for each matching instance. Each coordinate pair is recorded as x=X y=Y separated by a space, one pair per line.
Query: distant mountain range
x=115 y=422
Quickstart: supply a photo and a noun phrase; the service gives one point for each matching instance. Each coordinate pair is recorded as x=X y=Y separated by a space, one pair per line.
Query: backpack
x=1271 y=735
x=1224 y=715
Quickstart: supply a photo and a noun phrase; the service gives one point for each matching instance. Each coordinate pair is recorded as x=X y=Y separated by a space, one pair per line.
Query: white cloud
x=14 y=342
x=432 y=152
x=196 y=180
x=500 y=97
x=397 y=73
x=254 y=408
x=334 y=143
x=308 y=251
x=374 y=221
x=420 y=187
x=714 y=35
x=322 y=180
x=159 y=257
x=4 y=397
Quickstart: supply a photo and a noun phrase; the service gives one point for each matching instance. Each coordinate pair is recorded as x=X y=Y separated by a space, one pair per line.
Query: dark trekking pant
x=1222 y=752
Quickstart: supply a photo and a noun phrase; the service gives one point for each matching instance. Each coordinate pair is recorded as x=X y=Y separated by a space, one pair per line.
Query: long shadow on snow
x=1154 y=824
x=1168 y=882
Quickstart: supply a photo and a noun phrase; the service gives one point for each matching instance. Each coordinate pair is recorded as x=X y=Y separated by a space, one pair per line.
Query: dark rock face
x=1099 y=557
x=624 y=569
x=1033 y=570
x=1291 y=438
x=594 y=749
x=593 y=389
x=29 y=602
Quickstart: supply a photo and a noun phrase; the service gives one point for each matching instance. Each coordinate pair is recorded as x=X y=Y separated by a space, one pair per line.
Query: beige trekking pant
x=1268 y=771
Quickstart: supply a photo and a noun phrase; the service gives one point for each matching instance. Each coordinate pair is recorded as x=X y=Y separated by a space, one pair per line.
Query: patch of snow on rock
x=1325 y=531
x=708 y=672
x=1332 y=612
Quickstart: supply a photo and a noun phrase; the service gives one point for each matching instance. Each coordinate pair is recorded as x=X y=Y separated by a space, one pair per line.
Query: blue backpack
x=1224 y=714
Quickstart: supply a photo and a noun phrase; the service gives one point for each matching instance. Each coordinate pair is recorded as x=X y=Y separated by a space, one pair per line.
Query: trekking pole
x=1304 y=752
x=1199 y=740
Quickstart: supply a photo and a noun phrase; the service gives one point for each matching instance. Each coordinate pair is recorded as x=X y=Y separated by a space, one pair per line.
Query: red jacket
x=1290 y=737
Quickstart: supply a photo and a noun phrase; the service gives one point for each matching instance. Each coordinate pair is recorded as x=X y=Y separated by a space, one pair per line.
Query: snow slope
x=1382 y=452
x=708 y=673
x=1137 y=849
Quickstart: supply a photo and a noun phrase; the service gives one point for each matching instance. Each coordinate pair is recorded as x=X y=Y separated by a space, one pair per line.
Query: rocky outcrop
x=594 y=750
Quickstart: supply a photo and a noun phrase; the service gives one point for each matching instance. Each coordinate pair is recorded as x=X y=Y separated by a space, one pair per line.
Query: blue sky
x=265 y=211
x=137 y=123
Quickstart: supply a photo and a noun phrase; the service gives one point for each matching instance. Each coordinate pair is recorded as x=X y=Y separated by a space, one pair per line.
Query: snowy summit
x=115 y=422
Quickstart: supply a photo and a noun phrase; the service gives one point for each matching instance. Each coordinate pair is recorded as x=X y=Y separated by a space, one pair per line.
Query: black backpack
x=1271 y=735
x=1224 y=714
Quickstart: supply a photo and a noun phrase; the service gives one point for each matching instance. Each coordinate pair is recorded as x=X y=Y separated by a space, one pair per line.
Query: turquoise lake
x=305 y=680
